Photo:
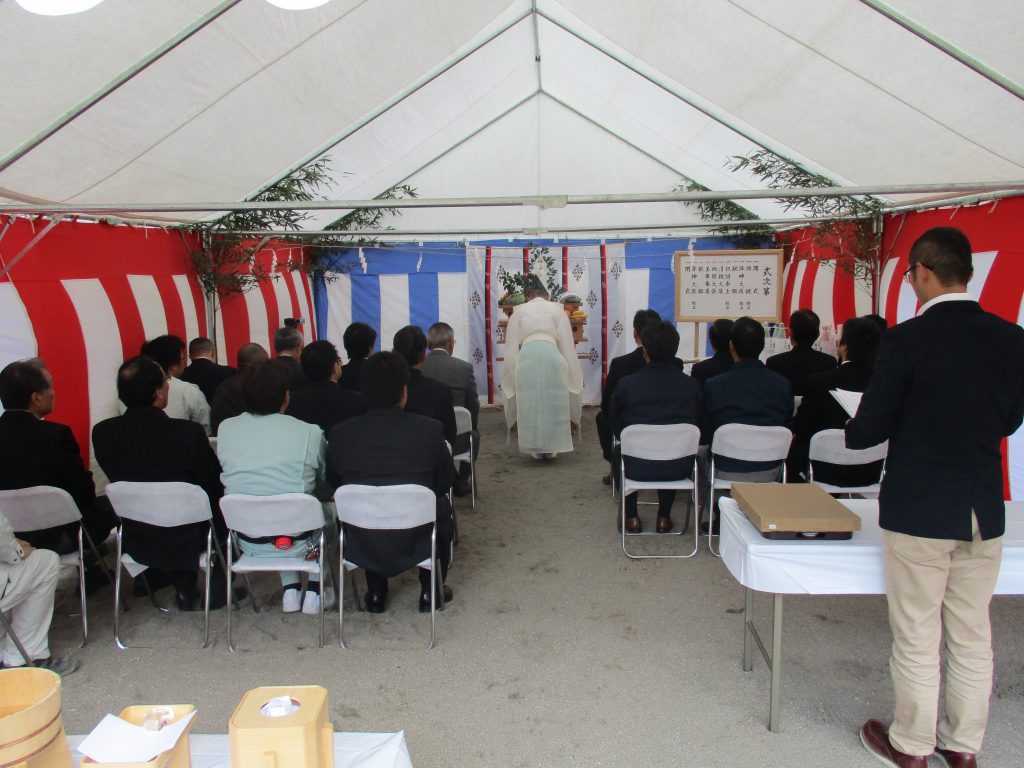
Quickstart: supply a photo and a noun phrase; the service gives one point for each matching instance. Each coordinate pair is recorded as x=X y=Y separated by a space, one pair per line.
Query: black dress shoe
x=444 y=597
x=704 y=528
x=606 y=479
x=218 y=597
x=188 y=601
x=156 y=579
x=375 y=602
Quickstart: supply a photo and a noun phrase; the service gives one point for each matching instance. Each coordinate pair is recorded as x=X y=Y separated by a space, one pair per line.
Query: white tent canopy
x=467 y=98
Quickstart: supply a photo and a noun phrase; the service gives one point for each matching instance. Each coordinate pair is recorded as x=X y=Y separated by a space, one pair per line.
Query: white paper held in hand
x=117 y=741
x=849 y=400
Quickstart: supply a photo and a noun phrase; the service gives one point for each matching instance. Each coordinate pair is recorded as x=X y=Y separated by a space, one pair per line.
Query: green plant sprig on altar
x=540 y=265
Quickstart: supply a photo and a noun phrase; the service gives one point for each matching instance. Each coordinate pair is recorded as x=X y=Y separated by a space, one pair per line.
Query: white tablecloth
x=852 y=567
x=351 y=750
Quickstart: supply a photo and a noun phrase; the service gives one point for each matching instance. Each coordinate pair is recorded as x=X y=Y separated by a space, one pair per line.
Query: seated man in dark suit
x=748 y=393
x=442 y=365
x=426 y=397
x=204 y=371
x=358 y=341
x=391 y=446
x=802 y=360
x=819 y=410
x=658 y=393
x=288 y=343
x=227 y=400
x=37 y=452
x=322 y=401
x=721 y=361
x=145 y=445
x=618 y=369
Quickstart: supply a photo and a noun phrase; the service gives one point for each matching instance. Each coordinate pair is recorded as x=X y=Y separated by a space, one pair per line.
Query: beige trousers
x=934 y=585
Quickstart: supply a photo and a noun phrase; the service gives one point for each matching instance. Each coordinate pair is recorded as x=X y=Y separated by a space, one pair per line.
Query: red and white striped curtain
x=87 y=296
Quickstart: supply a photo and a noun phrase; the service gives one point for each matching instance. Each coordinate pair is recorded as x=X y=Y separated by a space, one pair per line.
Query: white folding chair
x=164 y=505
x=261 y=516
x=42 y=507
x=829 y=446
x=464 y=426
x=388 y=508
x=660 y=442
x=748 y=443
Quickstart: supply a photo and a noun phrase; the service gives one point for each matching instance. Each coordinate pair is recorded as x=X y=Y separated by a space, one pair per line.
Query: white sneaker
x=290 y=601
x=311 y=603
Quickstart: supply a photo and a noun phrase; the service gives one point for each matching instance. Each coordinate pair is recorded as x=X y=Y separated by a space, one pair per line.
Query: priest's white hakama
x=541 y=379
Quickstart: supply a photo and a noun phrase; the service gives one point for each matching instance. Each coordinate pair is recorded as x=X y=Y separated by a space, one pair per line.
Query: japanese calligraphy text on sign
x=730 y=284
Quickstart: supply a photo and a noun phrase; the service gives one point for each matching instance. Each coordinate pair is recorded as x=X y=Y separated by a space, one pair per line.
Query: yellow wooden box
x=302 y=739
x=177 y=757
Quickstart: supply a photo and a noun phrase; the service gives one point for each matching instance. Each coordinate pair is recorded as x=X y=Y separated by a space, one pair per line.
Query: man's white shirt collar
x=944 y=297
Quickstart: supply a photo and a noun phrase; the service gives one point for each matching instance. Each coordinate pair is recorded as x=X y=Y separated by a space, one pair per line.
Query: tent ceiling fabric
x=447 y=96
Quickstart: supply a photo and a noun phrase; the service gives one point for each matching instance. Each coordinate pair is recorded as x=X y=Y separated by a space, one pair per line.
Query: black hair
x=167 y=350
x=358 y=340
x=747 y=337
x=200 y=345
x=879 y=321
x=861 y=336
x=643 y=317
x=660 y=340
x=718 y=334
x=265 y=386
x=382 y=379
x=804 y=327
x=318 y=360
x=138 y=381
x=946 y=251
x=20 y=380
x=410 y=343
x=250 y=354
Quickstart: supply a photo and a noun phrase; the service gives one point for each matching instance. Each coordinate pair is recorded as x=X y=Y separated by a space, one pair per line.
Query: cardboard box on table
x=302 y=739
x=177 y=757
x=796 y=511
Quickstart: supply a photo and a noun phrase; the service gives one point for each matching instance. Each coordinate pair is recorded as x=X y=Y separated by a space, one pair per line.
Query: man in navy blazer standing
x=948 y=386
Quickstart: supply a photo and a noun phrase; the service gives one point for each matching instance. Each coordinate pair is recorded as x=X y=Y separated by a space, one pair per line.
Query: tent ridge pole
x=92 y=100
x=946 y=47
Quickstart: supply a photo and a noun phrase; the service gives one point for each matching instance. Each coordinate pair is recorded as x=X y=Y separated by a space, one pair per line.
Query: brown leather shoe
x=664 y=525
x=952 y=759
x=633 y=525
x=875 y=738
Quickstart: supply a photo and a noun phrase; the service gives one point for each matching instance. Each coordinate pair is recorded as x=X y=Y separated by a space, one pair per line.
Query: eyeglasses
x=909 y=270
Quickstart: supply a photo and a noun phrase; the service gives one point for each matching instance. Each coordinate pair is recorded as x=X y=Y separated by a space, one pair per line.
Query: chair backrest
x=163 y=504
x=386 y=507
x=830 y=446
x=660 y=442
x=750 y=443
x=463 y=420
x=258 y=516
x=38 y=508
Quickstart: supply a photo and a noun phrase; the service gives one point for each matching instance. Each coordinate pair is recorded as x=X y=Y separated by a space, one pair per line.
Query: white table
x=351 y=750
x=813 y=567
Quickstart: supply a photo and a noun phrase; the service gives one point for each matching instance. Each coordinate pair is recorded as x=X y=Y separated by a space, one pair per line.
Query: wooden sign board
x=728 y=284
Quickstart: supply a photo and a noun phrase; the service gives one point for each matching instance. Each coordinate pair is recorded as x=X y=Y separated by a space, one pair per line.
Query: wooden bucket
x=31 y=730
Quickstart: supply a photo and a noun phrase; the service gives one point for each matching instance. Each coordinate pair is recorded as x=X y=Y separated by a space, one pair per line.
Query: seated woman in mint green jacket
x=263 y=452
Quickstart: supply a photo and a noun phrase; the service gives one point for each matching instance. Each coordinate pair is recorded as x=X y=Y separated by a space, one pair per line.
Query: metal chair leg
x=9 y=628
x=341 y=587
x=81 y=588
x=206 y=588
x=117 y=595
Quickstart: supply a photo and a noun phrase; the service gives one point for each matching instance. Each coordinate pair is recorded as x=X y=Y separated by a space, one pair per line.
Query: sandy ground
x=556 y=651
